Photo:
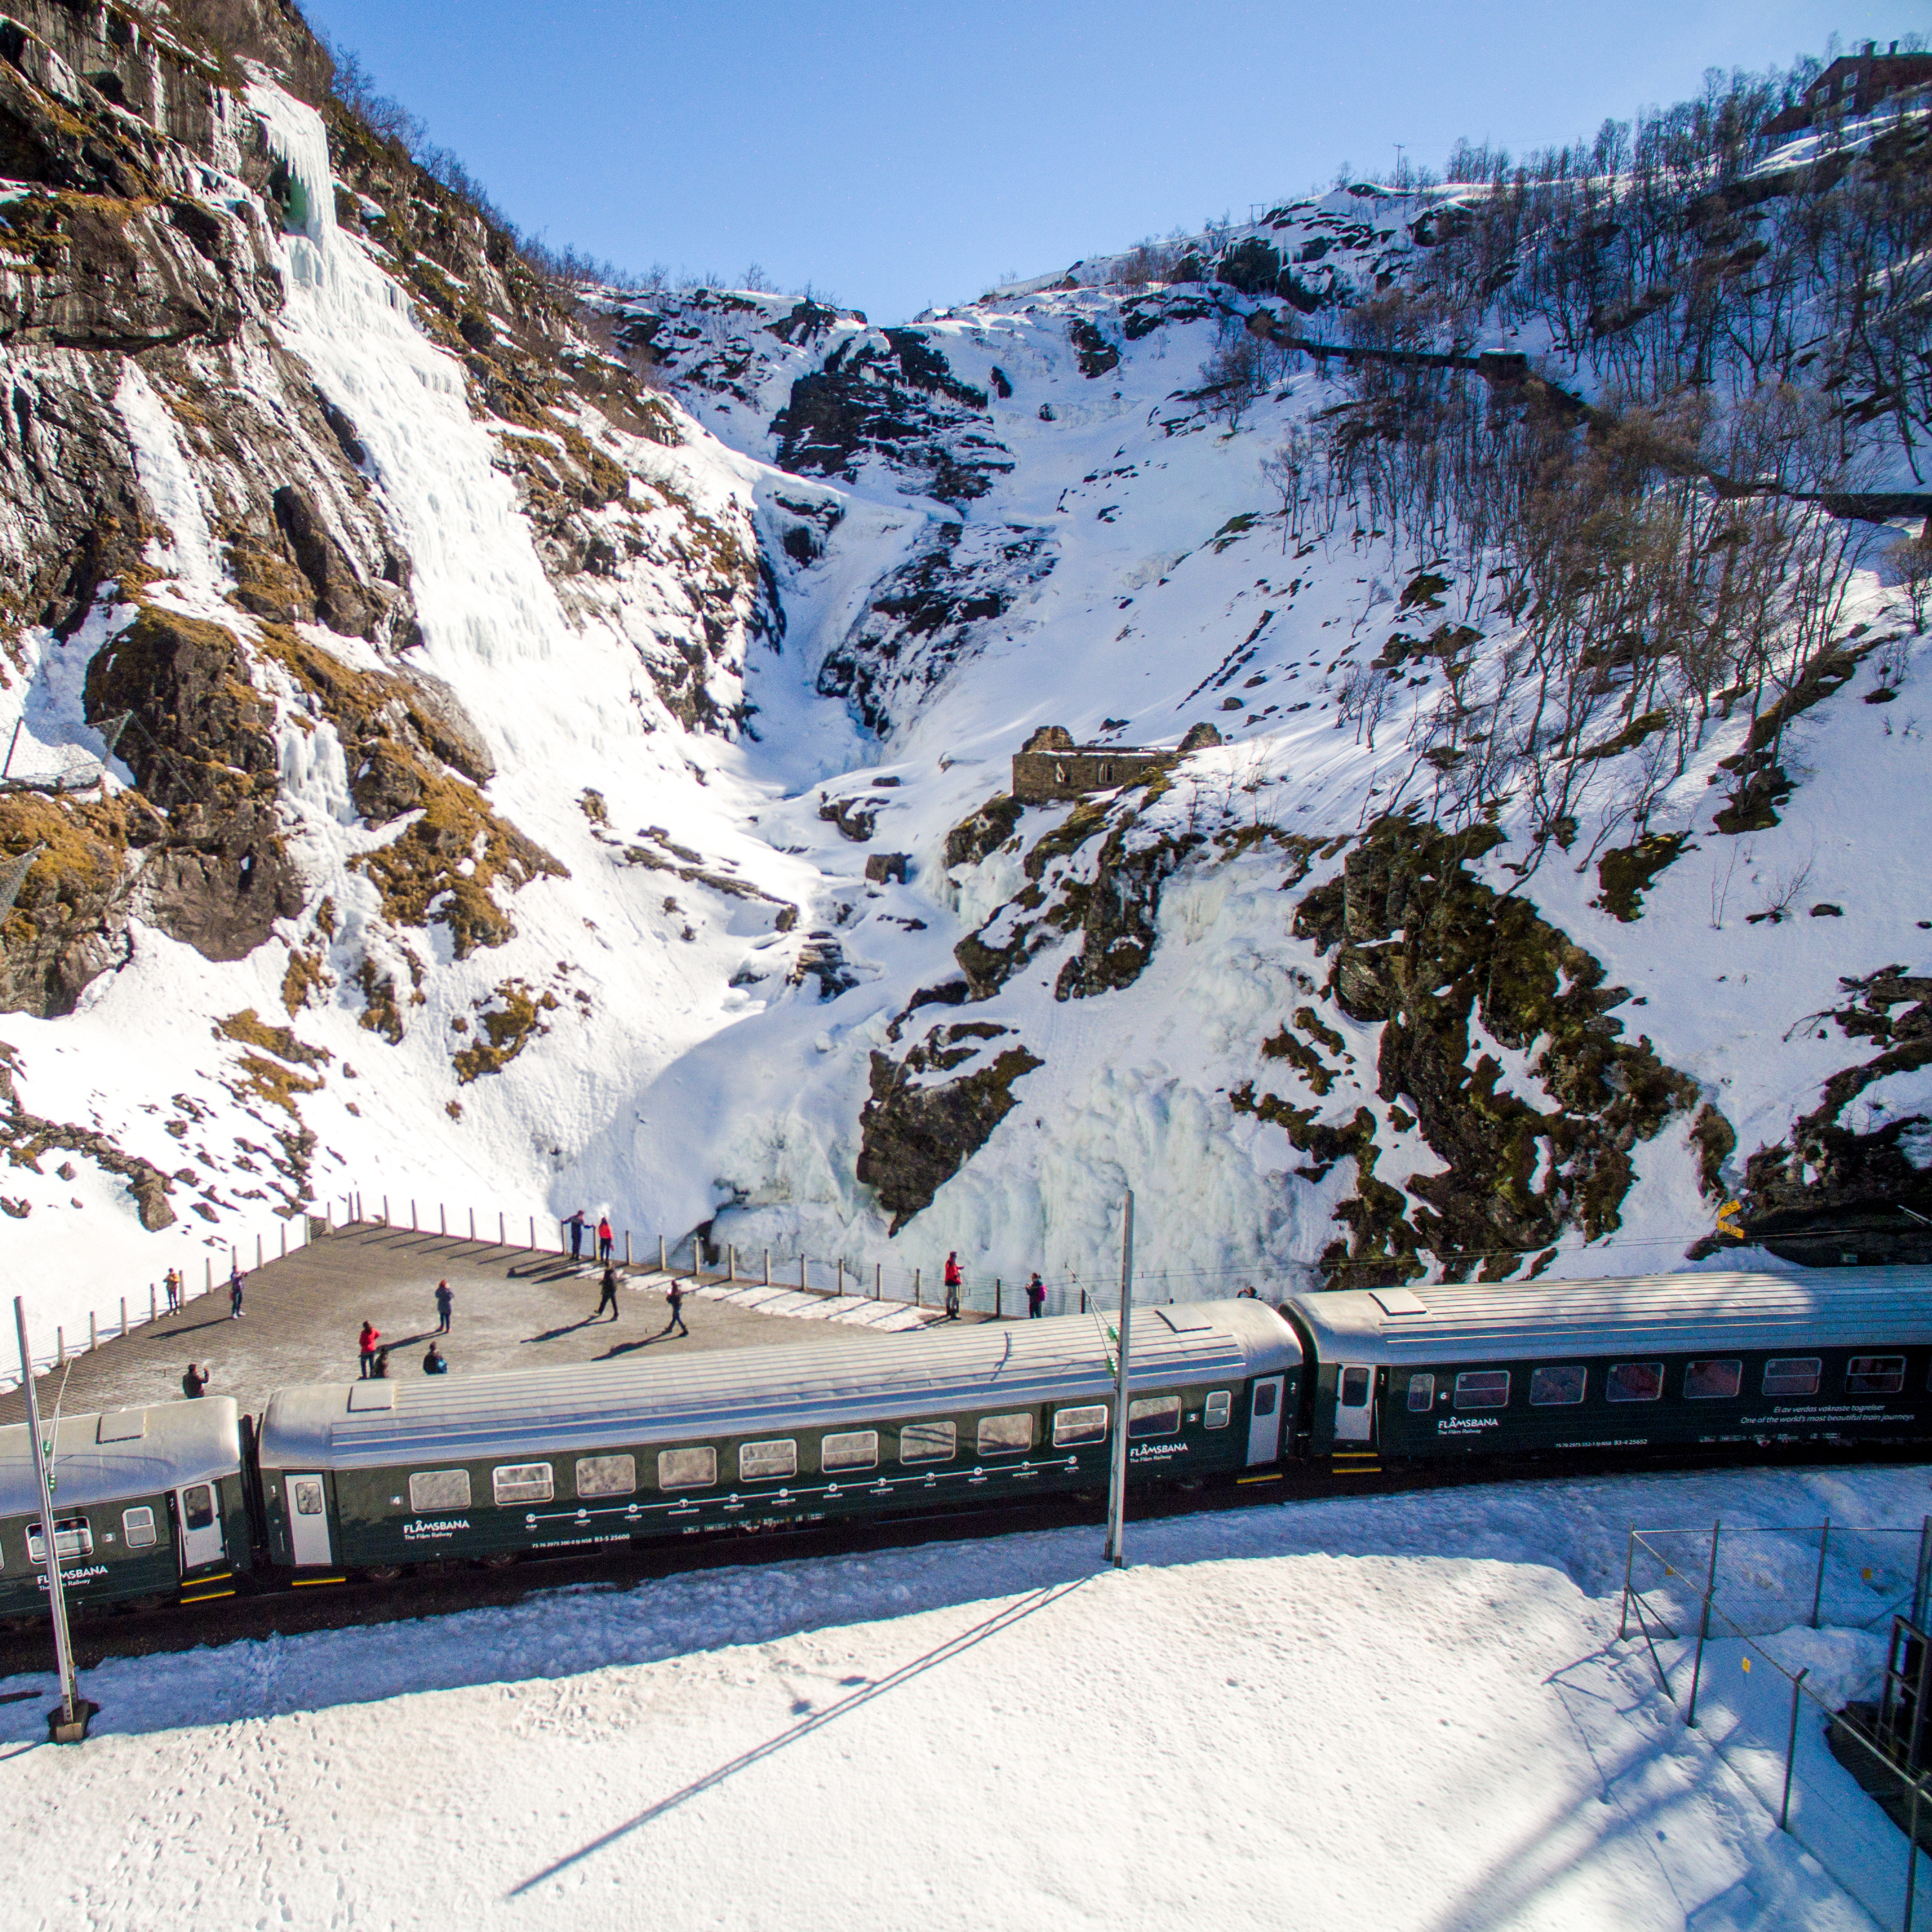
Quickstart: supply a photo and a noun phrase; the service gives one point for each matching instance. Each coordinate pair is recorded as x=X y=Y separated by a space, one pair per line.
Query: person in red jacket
x=954 y=1281
x=603 y=1239
x=1035 y=1297
x=371 y=1335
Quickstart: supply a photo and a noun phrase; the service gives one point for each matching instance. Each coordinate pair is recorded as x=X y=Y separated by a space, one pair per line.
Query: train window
x=307 y=1491
x=1713 y=1381
x=1634 y=1381
x=606 y=1475
x=1006 y=1434
x=1421 y=1393
x=761 y=1461
x=1264 y=1398
x=137 y=1525
x=1483 y=1388
x=855 y=1449
x=927 y=1442
x=72 y=1537
x=440 y=1489
x=1791 y=1375
x=522 y=1483
x=1875 y=1375
x=1354 y=1388
x=1090 y=1424
x=686 y=1468
x=1154 y=1415
x=1557 y=1388
x=1219 y=1411
x=198 y=1506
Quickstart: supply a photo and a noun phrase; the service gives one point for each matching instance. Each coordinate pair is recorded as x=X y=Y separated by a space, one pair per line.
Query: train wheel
x=383 y=1572
x=499 y=1559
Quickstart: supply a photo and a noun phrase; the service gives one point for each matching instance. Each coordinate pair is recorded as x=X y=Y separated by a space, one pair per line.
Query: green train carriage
x=378 y=1475
x=1622 y=1367
x=150 y=1505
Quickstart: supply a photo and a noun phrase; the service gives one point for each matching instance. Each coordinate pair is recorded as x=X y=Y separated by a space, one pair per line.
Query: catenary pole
x=1117 y=1501
x=69 y=1714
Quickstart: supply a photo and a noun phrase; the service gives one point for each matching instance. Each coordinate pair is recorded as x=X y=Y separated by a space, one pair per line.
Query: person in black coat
x=435 y=1363
x=194 y=1383
x=609 y=1297
x=445 y=1301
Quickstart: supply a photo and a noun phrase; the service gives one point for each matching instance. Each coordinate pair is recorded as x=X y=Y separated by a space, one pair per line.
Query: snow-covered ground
x=1403 y=1712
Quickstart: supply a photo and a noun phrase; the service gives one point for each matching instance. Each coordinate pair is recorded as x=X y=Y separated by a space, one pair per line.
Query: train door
x=198 y=1509
x=1355 y=1413
x=308 y=1521
x=1264 y=1421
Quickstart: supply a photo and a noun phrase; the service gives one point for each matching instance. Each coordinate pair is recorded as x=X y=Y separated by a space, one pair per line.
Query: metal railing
x=1728 y=1617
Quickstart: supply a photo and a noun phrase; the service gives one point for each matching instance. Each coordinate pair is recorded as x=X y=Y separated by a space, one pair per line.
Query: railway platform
x=514 y=1308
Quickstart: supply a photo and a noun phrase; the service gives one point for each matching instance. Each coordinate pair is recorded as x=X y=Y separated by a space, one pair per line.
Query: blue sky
x=898 y=155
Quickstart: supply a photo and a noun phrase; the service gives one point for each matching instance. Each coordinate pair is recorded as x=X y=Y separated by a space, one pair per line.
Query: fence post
x=412 y=1218
x=151 y=1309
x=627 y=1247
x=1083 y=1301
x=285 y=1240
x=1791 y=1751
x=60 y=1347
x=664 y=1261
x=500 y=1231
x=768 y=1268
x=93 y=1339
x=878 y=1278
x=915 y=1287
x=731 y=1264
x=996 y=1297
x=841 y=1274
x=1629 y=1558
x=441 y=1219
x=1818 y=1590
x=804 y=1273
x=472 y=1224
x=123 y=1315
x=386 y=1211
x=258 y=1251
x=533 y=1234
x=208 y=1271
x=1697 y=1663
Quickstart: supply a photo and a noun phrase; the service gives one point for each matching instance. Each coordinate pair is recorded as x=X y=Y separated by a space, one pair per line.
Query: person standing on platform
x=235 y=1278
x=954 y=1281
x=603 y=1239
x=371 y=1336
x=1036 y=1297
x=172 y=1280
x=608 y=1299
x=674 y=1294
x=575 y=1225
x=194 y=1383
x=445 y=1300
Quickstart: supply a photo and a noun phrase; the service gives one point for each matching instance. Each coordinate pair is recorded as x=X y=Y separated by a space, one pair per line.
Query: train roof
x=1665 y=1314
x=128 y=1452
x=735 y=1391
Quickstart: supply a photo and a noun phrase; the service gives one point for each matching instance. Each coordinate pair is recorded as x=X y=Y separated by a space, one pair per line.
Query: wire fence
x=1772 y=1642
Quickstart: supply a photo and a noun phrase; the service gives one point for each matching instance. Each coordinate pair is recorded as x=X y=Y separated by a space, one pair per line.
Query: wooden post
x=441 y=1219
x=258 y=1251
x=878 y=1277
x=151 y=1301
x=804 y=1273
x=207 y=1268
x=627 y=1247
x=915 y=1287
x=500 y=1231
x=731 y=1264
x=60 y=1347
x=996 y=1297
x=768 y=1268
x=285 y=1240
x=841 y=1274
x=533 y=1234
x=472 y=1224
x=386 y=1211
x=663 y=1260
x=123 y=1315
x=93 y=1340
x=413 y=1218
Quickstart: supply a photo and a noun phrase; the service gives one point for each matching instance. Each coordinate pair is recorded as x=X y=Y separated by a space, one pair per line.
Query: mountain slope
x=499 y=740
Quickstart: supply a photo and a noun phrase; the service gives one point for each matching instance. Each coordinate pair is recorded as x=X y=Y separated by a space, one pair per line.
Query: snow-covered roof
x=728 y=1391
x=130 y=1452
x=1845 y=1308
